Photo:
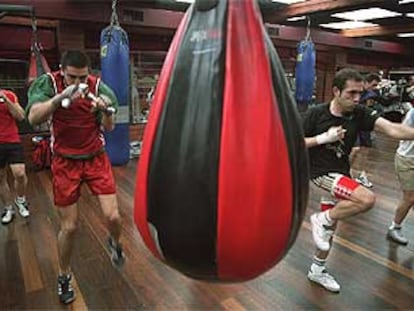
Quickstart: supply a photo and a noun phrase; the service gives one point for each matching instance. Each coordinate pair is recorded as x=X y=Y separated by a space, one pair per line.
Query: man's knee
x=367 y=201
x=20 y=177
x=68 y=227
x=19 y=173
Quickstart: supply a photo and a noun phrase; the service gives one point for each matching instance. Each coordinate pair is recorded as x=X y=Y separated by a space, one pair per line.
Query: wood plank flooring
x=373 y=272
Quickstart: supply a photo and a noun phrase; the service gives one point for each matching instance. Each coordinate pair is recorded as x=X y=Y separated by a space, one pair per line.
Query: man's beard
x=347 y=111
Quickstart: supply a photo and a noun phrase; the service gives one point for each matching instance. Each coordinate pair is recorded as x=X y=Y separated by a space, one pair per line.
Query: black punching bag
x=222 y=181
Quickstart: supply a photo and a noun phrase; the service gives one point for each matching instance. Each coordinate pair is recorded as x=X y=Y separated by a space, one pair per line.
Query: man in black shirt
x=330 y=133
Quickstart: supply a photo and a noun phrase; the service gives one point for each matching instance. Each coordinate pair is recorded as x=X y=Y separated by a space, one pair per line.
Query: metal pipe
x=10 y=8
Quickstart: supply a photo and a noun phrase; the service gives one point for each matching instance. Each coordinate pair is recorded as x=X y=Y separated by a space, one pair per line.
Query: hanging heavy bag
x=37 y=63
x=305 y=73
x=222 y=181
x=115 y=73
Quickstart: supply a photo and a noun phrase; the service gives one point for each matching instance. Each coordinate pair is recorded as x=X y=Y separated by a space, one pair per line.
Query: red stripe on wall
x=255 y=192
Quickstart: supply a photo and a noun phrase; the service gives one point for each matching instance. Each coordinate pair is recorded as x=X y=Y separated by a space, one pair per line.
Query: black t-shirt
x=334 y=157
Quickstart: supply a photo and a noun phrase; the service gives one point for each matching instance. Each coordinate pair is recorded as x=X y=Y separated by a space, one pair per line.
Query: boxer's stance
x=78 y=152
x=330 y=133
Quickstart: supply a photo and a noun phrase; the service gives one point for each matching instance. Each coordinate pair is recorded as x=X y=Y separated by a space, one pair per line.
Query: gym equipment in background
x=222 y=181
x=115 y=73
x=305 y=71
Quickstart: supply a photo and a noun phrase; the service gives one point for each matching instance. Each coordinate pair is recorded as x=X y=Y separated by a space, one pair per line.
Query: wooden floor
x=373 y=272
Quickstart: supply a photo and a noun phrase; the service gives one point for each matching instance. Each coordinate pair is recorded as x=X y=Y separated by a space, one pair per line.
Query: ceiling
x=320 y=12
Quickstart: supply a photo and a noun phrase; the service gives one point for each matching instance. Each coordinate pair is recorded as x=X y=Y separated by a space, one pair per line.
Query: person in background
x=330 y=133
x=404 y=168
x=364 y=140
x=11 y=154
x=408 y=93
x=78 y=152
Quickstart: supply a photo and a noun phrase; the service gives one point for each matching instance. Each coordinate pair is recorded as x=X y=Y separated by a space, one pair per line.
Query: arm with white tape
x=333 y=134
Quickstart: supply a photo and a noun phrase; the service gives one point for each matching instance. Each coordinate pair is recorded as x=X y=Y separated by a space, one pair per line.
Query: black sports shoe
x=117 y=254
x=65 y=290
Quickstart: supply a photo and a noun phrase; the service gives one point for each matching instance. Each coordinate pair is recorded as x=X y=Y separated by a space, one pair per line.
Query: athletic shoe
x=396 y=235
x=325 y=280
x=117 y=254
x=363 y=180
x=23 y=208
x=65 y=290
x=321 y=234
x=7 y=216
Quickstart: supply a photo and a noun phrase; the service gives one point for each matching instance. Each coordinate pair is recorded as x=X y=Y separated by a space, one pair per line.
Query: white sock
x=318 y=265
x=394 y=226
x=326 y=219
x=8 y=207
x=21 y=199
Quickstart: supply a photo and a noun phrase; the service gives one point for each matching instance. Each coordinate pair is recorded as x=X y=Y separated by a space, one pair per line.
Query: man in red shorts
x=11 y=154
x=78 y=148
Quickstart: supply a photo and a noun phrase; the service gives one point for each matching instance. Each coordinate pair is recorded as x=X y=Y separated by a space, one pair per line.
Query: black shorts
x=11 y=154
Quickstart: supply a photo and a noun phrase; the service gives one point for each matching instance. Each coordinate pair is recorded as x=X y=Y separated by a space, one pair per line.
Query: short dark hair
x=344 y=75
x=74 y=58
x=372 y=77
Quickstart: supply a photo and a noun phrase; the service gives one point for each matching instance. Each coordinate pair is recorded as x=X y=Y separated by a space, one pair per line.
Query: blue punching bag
x=115 y=73
x=305 y=73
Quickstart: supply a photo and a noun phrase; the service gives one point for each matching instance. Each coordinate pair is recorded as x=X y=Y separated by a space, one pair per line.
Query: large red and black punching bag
x=222 y=180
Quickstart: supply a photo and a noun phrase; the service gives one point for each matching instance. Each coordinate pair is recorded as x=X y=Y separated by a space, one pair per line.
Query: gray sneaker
x=325 y=280
x=7 y=216
x=117 y=254
x=22 y=208
x=363 y=180
x=396 y=236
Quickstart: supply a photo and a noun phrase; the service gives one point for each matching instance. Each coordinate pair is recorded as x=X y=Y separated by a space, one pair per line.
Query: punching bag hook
x=114 y=16
x=308 y=28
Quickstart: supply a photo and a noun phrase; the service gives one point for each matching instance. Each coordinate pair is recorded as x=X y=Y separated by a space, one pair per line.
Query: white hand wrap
x=330 y=136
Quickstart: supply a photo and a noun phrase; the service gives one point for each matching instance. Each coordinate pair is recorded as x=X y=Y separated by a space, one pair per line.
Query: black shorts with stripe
x=11 y=153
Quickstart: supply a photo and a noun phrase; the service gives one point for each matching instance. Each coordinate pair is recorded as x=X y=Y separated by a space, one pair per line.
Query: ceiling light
x=406 y=35
x=296 y=18
x=366 y=14
x=410 y=14
x=405 y=1
x=281 y=1
x=348 y=25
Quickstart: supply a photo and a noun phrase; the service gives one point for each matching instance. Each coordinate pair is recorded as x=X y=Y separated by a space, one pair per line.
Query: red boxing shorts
x=338 y=185
x=69 y=174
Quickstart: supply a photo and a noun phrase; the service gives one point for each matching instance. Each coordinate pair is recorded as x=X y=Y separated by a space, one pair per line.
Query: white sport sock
x=318 y=265
x=9 y=207
x=21 y=199
x=326 y=219
x=394 y=226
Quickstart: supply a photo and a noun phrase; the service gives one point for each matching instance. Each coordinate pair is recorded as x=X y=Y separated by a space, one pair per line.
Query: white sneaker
x=363 y=180
x=325 y=280
x=396 y=235
x=23 y=208
x=321 y=235
x=7 y=216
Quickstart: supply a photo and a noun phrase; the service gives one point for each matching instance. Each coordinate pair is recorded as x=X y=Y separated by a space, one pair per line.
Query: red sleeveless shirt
x=76 y=131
